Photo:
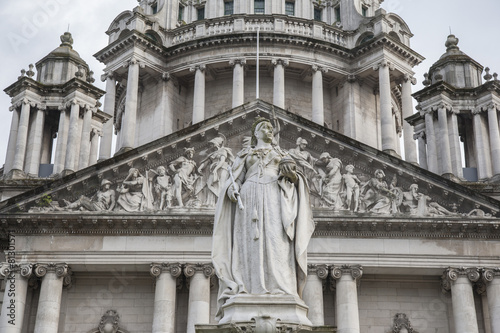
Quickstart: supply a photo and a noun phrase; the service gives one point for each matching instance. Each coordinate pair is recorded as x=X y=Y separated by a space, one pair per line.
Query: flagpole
x=257 y=76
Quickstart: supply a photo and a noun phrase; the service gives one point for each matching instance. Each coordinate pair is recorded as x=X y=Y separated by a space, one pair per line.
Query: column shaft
x=22 y=137
x=94 y=146
x=494 y=139
x=49 y=304
x=407 y=103
x=493 y=292
x=130 y=115
x=164 y=305
x=238 y=85
x=279 y=85
x=85 y=139
x=34 y=151
x=347 y=305
x=430 y=134
x=313 y=297
x=444 y=142
x=73 y=138
x=422 y=150
x=62 y=139
x=318 y=115
x=464 y=311
x=199 y=301
x=456 y=154
x=11 y=147
x=387 y=126
x=199 y=95
x=482 y=148
x=107 y=129
x=13 y=306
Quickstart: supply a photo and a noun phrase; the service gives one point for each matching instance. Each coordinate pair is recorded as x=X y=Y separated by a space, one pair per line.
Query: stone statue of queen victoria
x=260 y=246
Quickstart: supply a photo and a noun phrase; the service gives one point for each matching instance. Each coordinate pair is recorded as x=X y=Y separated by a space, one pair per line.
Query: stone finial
x=23 y=73
x=487 y=76
x=90 y=77
x=426 y=82
x=30 y=73
x=451 y=43
x=67 y=40
x=495 y=76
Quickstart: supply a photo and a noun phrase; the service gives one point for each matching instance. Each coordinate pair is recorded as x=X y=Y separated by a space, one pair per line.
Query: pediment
x=323 y=160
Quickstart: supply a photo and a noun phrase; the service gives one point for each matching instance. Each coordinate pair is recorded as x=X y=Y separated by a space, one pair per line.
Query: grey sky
x=30 y=29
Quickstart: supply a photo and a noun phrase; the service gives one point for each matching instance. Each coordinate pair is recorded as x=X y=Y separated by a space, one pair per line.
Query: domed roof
x=66 y=49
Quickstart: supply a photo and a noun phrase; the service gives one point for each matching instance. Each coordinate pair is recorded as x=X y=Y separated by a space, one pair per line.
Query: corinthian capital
x=355 y=271
x=108 y=75
x=382 y=64
x=133 y=61
x=408 y=77
x=280 y=61
x=206 y=269
x=240 y=61
x=200 y=67
x=316 y=68
x=452 y=274
x=174 y=269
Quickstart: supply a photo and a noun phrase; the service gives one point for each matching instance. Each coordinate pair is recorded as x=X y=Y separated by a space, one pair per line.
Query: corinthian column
x=318 y=113
x=22 y=136
x=459 y=280
x=279 y=82
x=483 y=157
x=494 y=137
x=73 y=138
x=456 y=154
x=430 y=135
x=407 y=104
x=35 y=139
x=131 y=102
x=94 y=146
x=199 y=93
x=386 y=120
x=85 y=139
x=62 y=140
x=422 y=151
x=11 y=147
x=165 y=296
x=54 y=276
x=14 y=297
x=492 y=278
x=238 y=81
x=347 y=297
x=444 y=139
x=199 y=294
x=109 y=108
x=313 y=293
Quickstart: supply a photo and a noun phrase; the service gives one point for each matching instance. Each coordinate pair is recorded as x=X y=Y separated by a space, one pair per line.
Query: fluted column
x=94 y=146
x=422 y=149
x=238 y=81
x=22 y=136
x=62 y=140
x=313 y=293
x=387 y=124
x=279 y=82
x=444 y=140
x=54 y=276
x=131 y=102
x=199 y=294
x=347 y=297
x=491 y=276
x=318 y=113
x=494 y=137
x=199 y=93
x=85 y=138
x=35 y=139
x=455 y=151
x=165 y=296
x=407 y=106
x=73 y=138
x=14 y=297
x=459 y=281
x=430 y=134
x=482 y=146
x=109 y=108
x=11 y=147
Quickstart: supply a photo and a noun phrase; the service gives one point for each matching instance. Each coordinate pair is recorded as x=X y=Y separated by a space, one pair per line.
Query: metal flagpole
x=257 y=76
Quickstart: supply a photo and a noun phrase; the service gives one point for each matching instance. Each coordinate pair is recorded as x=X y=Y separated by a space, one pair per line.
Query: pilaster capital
x=200 y=67
x=41 y=106
x=355 y=271
x=15 y=105
x=477 y=110
x=24 y=269
x=165 y=76
x=134 y=61
x=108 y=76
x=206 y=269
x=316 y=68
x=239 y=61
x=451 y=274
x=384 y=63
x=442 y=105
x=409 y=78
x=419 y=136
x=174 y=269
x=320 y=270
x=279 y=61
x=489 y=274
x=426 y=111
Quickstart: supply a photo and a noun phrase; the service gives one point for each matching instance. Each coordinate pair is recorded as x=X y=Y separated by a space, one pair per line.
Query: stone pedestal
x=286 y=308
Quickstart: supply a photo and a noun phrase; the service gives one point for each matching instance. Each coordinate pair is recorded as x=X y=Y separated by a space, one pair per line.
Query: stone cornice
x=442 y=87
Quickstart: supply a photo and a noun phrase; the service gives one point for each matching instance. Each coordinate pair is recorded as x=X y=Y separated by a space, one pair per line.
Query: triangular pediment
x=323 y=160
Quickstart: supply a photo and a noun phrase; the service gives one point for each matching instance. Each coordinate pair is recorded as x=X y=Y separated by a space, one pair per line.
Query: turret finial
x=451 y=43
x=67 y=39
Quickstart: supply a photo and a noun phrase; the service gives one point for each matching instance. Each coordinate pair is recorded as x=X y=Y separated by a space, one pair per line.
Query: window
x=364 y=10
x=337 y=14
x=317 y=14
x=228 y=8
x=290 y=8
x=181 y=14
x=259 y=6
x=200 y=13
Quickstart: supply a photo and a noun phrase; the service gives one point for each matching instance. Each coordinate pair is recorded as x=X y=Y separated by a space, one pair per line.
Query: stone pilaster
x=165 y=296
x=313 y=293
x=238 y=81
x=422 y=149
x=318 y=113
x=482 y=145
x=407 y=104
x=35 y=139
x=11 y=147
x=491 y=276
x=199 y=93
x=386 y=120
x=347 y=310
x=94 y=146
x=443 y=142
x=494 y=135
x=14 y=298
x=74 y=135
x=22 y=135
x=459 y=281
x=430 y=135
x=131 y=103
x=54 y=277
x=109 y=108
x=199 y=294
x=85 y=139
x=279 y=81
x=62 y=140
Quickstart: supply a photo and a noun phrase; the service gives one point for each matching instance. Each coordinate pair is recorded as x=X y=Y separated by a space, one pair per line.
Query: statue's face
x=190 y=154
x=264 y=132
x=302 y=145
x=161 y=171
x=379 y=175
x=135 y=173
x=106 y=187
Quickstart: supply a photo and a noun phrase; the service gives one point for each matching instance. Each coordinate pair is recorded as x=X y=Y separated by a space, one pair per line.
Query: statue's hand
x=289 y=172
x=232 y=193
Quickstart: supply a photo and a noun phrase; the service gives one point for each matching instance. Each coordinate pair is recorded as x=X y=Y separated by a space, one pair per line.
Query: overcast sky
x=30 y=29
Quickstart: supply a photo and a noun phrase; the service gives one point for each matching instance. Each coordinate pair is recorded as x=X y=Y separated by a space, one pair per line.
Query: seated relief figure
x=377 y=195
x=133 y=192
x=103 y=200
x=331 y=180
x=419 y=204
x=185 y=177
x=259 y=246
